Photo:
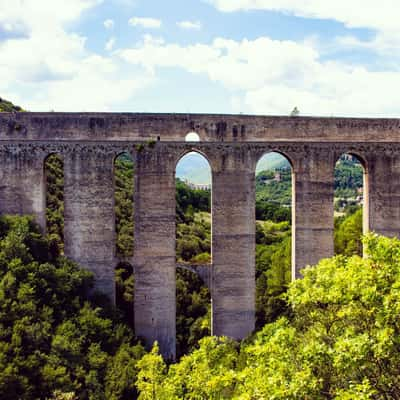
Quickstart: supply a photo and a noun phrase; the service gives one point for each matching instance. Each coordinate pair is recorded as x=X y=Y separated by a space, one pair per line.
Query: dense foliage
x=348 y=182
x=54 y=336
x=193 y=229
x=7 y=106
x=340 y=341
x=54 y=170
x=273 y=270
x=193 y=245
x=124 y=191
x=274 y=195
x=348 y=231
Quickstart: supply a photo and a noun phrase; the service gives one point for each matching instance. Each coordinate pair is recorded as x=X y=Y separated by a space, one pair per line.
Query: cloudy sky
x=336 y=58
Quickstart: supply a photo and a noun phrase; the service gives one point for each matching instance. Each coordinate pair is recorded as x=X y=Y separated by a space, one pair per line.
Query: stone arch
x=361 y=197
x=206 y=185
x=274 y=239
x=194 y=149
x=263 y=151
x=193 y=251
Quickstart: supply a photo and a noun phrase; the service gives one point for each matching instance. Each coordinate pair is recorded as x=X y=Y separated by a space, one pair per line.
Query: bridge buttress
x=233 y=246
x=154 y=249
x=383 y=193
x=312 y=202
x=89 y=221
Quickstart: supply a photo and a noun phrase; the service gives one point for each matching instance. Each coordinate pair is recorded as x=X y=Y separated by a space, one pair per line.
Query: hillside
x=7 y=106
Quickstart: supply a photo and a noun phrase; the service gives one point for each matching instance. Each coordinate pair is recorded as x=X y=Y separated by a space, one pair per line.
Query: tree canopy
x=340 y=341
x=55 y=333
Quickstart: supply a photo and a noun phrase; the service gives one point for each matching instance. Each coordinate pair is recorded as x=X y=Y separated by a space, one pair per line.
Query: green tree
x=348 y=232
x=151 y=376
x=340 y=341
x=55 y=337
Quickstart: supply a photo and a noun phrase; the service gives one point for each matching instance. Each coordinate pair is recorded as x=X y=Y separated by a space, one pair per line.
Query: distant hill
x=272 y=161
x=7 y=106
x=194 y=168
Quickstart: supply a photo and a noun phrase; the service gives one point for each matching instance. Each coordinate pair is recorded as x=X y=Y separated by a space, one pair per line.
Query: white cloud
x=37 y=15
x=238 y=65
x=110 y=44
x=109 y=24
x=50 y=68
x=97 y=86
x=196 y=25
x=381 y=16
x=147 y=23
x=271 y=77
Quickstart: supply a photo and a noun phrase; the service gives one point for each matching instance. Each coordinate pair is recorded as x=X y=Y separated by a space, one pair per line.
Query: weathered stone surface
x=89 y=142
x=154 y=250
x=174 y=127
x=233 y=247
x=89 y=221
x=312 y=200
x=22 y=185
x=383 y=181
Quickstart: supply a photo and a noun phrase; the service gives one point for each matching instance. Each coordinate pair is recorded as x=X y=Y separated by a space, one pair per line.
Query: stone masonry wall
x=233 y=144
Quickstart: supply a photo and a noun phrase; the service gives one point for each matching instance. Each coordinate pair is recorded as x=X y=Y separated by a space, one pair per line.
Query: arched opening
x=54 y=192
x=273 y=235
x=124 y=226
x=192 y=137
x=193 y=247
x=350 y=204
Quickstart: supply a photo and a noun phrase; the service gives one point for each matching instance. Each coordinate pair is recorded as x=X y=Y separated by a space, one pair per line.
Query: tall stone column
x=154 y=249
x=382 y=193
x=89 y=221
x=22 y=182
x=233 y=246
x=312 y=199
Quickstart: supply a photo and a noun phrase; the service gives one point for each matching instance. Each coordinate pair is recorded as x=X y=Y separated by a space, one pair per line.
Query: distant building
x=198 y=186
x=277 y=176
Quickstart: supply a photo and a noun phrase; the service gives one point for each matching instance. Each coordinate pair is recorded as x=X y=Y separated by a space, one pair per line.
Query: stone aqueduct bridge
x=232 y=144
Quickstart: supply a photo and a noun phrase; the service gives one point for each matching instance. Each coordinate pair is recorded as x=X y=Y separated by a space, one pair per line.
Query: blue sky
x=218 y=56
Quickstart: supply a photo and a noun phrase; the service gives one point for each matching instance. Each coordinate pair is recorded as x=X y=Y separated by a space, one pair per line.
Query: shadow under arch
x=53 y=172
x=351 y=203
x=274 y=239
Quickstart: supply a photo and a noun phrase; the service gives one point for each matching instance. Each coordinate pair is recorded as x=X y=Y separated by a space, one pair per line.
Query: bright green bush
x=341 y=341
